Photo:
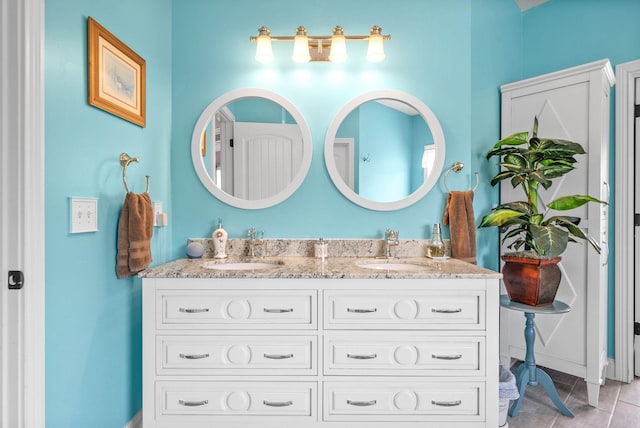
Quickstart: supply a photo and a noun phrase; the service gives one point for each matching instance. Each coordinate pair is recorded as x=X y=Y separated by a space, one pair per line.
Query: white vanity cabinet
x=388 y=353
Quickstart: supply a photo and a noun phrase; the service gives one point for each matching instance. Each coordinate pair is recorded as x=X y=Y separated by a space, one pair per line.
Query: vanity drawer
x=211 y=309
x=433 y=309
x=403 y=354
x=237 y=398
x=222 y=355
x=407 y=401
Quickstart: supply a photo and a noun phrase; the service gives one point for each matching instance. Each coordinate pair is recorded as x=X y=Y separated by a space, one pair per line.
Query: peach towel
x=458 y=214
x=135 y=230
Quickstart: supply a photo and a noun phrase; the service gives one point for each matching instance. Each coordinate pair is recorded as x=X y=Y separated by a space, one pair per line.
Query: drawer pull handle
x=361 y=403
x=277 y=311
x=446 y=403
x=446 y=311
x=193 y=403
x=278 y=357
x=277 y=403
x=446 y=357
x=362 y=311
x=194 y=310
x=194 y=357
x=362 y=357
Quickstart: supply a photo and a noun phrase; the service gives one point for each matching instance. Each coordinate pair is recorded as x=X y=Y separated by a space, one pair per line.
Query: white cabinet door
x=571 y=104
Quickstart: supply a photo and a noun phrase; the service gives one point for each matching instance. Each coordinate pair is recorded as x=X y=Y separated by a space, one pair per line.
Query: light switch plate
x=83 y=215
x=157 y=209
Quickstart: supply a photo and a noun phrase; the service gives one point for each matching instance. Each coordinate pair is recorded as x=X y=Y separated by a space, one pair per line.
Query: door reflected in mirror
x=251 y=148
x=384 y=150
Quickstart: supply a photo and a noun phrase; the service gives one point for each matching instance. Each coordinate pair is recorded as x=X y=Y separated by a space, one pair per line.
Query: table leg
x=529 y=374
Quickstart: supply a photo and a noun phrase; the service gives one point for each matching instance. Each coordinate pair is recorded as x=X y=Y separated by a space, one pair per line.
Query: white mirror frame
x=436 y=132
x=201 y=170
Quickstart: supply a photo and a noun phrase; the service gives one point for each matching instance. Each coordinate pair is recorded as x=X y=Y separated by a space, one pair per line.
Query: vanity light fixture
x=319 y=48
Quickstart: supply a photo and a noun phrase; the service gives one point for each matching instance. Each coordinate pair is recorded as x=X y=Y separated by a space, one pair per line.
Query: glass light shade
x=375 y=52
x=301 y=49
x=338 y=49
x=264 y=53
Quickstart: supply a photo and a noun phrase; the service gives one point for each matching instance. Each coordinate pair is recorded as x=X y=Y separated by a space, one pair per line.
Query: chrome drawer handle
x=361 y=403
x=193 y=403
x=446 y=403
x=362 y=357
x=277 y=403
x=194 y=310
x=278 y=357
x=277 y=311
x=194 y=357
x=446 y=311
x=447 y=357
x=362 y=311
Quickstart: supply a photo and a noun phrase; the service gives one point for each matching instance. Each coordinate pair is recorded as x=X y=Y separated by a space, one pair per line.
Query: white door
x=636 y=337
x=22 y=213
x=267 y=157
x=343 y=155
x=571 y=105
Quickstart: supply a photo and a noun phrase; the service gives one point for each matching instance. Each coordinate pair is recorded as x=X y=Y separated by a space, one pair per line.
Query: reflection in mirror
x=384 y=150
x=251 y=148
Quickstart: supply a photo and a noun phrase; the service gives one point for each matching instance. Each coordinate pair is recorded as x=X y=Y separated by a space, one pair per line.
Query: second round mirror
x=384 y=150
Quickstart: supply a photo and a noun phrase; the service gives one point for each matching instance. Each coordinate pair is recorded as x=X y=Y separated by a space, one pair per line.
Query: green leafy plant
x=529 y=163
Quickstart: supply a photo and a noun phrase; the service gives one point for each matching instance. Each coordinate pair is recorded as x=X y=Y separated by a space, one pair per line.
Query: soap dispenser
x=436 y=248
x=219 y=242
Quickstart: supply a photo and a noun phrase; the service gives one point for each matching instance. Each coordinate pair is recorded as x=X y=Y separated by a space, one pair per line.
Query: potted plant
x=537 y=235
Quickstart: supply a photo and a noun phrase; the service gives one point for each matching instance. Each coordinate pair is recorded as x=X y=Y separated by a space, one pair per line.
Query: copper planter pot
x=533 y=282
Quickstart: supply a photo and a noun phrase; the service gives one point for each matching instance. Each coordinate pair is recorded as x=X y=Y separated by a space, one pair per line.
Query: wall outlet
x=157 y=209
x=83 y=215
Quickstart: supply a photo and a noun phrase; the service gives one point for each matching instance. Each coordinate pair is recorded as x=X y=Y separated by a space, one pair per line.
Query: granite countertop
x=292 y=267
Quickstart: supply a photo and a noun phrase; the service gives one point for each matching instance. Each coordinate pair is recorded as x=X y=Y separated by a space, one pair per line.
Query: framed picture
x=116 y=75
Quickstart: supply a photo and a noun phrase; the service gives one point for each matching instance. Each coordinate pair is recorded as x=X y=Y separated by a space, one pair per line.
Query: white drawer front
x=235 y=398
x=236 y=309
x=255 y=355
x=373 y=401
x=403 y=354
x=414 y=310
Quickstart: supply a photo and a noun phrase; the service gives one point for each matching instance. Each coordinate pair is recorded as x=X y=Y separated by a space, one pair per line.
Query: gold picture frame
x=117 y=75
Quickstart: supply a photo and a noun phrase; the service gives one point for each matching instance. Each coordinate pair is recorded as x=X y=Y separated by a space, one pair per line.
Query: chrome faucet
x=254 y=239
x=390 y=240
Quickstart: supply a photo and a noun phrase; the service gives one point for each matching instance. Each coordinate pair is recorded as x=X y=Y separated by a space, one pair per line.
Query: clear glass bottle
x=436 y=246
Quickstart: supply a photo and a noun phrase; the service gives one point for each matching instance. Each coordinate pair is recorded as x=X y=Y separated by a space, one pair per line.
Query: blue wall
x=428 y=56
x=93 y=320
x=593 y=31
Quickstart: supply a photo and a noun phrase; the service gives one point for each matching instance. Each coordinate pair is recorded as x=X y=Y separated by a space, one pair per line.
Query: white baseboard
x=136 y=421
x=610 y=371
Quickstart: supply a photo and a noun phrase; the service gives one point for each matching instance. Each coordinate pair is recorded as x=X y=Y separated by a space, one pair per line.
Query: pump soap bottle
x=219 y=242
x=436 y=248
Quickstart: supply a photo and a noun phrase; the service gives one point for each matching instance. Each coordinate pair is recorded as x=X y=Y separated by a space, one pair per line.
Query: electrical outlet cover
x=83 y=215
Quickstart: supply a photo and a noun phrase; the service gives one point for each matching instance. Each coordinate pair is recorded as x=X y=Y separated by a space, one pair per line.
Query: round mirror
x=384 y=150
x=251 y=148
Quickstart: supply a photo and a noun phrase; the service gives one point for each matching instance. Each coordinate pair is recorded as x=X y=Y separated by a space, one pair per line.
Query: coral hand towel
x=458 y=214
x=135 y=230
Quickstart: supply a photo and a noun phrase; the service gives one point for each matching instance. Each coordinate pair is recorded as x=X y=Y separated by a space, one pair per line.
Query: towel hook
x=457 y=167
x=125 y=160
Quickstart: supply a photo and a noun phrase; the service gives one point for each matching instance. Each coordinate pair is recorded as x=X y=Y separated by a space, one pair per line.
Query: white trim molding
x=22 y=83
x=136 y=421
x=624 y=229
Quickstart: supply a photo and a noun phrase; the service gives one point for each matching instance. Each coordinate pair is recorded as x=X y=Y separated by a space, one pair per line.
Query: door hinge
x=636 y=328
x=636 y=219
x=16 y=279
x=637 y=111
x=230 y=142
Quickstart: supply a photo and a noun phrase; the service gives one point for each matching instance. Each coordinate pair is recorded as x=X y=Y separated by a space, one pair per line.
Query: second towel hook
x=125 y=160
x=457 y=167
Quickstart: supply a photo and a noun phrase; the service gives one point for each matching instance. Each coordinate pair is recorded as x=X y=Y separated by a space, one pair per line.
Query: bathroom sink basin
x=239 y=266
x=392 y=266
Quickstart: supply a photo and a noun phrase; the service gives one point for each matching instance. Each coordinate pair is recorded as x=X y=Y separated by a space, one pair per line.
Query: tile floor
x=618 y=406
